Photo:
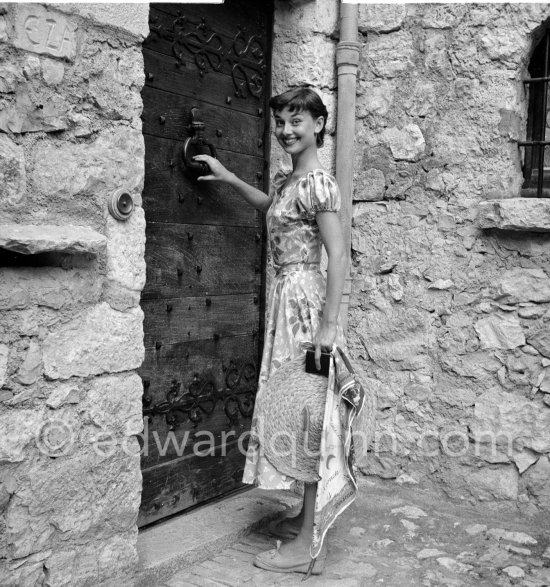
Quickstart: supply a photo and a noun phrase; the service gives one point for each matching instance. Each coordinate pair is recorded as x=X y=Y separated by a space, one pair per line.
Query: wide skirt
x=294 y=313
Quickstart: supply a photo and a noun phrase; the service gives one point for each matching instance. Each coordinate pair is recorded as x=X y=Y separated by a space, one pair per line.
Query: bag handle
x=345 y=359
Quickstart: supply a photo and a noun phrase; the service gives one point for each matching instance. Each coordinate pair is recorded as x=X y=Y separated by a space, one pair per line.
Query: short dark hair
x=299 y=99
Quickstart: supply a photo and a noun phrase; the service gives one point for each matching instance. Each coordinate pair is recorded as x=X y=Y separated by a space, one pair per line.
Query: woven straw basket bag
x=292 y=404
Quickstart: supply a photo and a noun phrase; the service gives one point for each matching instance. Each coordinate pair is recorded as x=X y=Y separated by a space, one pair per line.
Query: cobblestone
x=454 y=544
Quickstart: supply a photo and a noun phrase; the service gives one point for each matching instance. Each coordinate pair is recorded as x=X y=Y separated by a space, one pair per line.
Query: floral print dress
x=297 y=294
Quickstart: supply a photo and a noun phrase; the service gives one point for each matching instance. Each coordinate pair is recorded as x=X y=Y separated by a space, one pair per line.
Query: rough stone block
x=3 y=29
x=295 y=64
x=27 y=572
x=126 y=250
x=501 y=332
x=437 y=16
x=44 y=31
x=503 y=45
x=524 y=285
x=13 y=178
x=62 y=394
x=10 y=77
x=537 y=479
x=114 y=403
x=540 y=339
x=405 y=144
x=371 y=186
x=101 y=340
x=31 y=367
x=31 y=69
x=436 y=56
x=524 y=460
x=113 y=87
x=4 y=354
x=52 y=72
x=503 y=419
x=375 y=99
x=489 y=484
x=18 y=428
x=381 y=18
x=525 y=214
x=420 y=98
x=25 y=116
x=322 y=17
x=51 y=287
x=31 y=239
x=69 y=498
x=395 y=340
x=95 y=562
x=114 y=160
x=390 y=55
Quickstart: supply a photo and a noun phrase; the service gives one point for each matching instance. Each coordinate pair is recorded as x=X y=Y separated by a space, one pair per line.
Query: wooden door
x=204 y=251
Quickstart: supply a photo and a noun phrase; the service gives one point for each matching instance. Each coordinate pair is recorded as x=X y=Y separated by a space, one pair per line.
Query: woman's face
x=295 y=131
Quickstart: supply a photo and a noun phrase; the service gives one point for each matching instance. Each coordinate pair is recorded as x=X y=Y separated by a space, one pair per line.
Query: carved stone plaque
x=42 y=31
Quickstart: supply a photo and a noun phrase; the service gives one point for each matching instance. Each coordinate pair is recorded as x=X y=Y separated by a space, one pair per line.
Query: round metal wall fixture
x=121 y=204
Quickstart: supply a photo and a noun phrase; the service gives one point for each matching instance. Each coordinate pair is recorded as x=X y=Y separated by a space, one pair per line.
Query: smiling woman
x=303 y=307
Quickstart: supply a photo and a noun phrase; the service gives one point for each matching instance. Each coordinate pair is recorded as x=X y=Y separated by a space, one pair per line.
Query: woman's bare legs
x=299 y=547
x=295 y=555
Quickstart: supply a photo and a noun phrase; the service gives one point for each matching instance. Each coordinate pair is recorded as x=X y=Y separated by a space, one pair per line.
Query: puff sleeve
x=318 y=192
x=277 y=181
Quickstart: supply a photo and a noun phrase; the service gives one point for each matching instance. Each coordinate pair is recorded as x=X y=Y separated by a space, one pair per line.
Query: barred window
x=536 y=163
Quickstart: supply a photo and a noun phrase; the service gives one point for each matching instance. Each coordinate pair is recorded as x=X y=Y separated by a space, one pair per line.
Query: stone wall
x=70 y=324
x=449 y=320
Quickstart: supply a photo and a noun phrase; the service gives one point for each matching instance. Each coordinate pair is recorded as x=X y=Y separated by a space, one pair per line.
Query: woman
x=301 y=216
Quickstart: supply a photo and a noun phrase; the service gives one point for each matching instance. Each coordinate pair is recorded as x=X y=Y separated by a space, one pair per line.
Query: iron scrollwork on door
x=243 y=57
x=180 y=405
x=201 y=397
x=240 y=387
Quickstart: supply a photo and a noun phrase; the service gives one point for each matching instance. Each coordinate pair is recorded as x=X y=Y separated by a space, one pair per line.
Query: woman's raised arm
x=218 y=172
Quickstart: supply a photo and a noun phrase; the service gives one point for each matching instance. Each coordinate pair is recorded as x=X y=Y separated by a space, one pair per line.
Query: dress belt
x=291 y=267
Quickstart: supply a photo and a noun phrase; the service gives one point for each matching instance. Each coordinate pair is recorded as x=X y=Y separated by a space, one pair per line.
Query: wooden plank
x=168 y=115
x=193 y=260
x=169 y=195
x=181 y=78
x=172 y=372
x=182 y=361
x=199 y=318
x=185 y=483
x=163 y=443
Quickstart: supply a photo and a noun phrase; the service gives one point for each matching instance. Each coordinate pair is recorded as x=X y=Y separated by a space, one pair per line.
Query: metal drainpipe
x=347 y=61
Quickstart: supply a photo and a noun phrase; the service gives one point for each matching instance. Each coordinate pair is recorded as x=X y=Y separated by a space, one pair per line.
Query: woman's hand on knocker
x=217 y=171
x=323 y=340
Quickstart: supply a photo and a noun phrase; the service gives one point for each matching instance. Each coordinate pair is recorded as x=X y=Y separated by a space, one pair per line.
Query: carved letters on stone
x=42 y=31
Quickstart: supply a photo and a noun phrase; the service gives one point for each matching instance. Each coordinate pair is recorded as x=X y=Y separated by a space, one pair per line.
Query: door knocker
x=197 y=145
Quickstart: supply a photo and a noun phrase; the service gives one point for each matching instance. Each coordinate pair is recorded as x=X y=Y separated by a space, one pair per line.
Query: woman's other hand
x=217 y=171
x=323 y=340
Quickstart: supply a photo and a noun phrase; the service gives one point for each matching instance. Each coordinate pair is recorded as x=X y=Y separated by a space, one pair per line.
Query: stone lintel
x=31 y=239
x=521 y=214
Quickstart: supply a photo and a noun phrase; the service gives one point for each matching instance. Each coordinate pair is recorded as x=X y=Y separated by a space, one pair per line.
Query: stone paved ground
x=400 y=536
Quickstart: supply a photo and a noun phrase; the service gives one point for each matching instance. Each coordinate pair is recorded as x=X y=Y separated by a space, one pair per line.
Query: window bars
x=535 y=172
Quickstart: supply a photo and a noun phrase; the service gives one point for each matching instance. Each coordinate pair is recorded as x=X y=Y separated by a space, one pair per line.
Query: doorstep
x=199 y=535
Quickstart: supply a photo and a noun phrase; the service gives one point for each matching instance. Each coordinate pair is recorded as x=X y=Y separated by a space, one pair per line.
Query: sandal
x=271 y=560
x=275 y=529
